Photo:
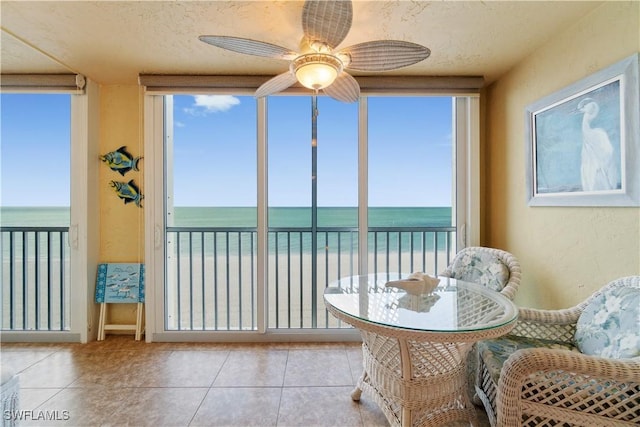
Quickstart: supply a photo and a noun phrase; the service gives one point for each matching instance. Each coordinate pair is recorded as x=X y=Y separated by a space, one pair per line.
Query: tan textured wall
x=121 y=226
x=565 y=253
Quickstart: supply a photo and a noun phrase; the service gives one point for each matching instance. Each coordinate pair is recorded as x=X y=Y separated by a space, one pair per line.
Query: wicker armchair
x=493 y=268
x=577 y=366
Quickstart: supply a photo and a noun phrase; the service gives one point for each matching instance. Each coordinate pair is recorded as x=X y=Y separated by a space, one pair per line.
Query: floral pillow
x=481 y=267
x=610 y=325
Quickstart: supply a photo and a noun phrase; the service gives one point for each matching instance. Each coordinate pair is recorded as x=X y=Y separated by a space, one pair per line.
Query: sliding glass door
x=266 y=202
x=35 y=212
x=210 y=207
x=313 y=205
x=410 y=183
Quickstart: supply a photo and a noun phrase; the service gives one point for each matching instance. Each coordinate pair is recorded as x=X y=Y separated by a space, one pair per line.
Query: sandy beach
x=48 y=295
x=230 y=288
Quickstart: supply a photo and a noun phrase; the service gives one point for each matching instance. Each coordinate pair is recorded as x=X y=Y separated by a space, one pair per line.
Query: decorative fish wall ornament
x=121 y=161
x=128 y=191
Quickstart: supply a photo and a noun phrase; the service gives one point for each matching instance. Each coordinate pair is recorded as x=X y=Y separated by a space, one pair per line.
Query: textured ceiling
x=111 y=42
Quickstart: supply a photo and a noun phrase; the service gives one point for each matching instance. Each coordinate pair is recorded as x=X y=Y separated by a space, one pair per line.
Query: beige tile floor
x=123 y=382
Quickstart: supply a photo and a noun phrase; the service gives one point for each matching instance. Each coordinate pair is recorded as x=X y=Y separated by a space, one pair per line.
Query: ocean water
x=279 y=217
x=300 y=217
x=11 y=216
x=246 y=216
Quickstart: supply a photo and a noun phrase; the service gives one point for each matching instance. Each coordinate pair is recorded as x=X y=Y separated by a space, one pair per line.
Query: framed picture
x=583 y=142
x=120 y=283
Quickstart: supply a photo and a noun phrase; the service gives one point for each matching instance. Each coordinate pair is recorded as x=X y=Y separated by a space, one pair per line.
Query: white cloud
x=178 y=124
x=205 y=104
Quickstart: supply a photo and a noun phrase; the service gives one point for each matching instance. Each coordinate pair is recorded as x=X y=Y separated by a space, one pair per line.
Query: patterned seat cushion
x=610 y=325
x=481 y=267
x=495 y=352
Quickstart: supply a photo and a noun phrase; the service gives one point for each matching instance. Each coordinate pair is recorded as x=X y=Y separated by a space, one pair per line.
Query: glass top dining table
x=454 y=306
x=415 y=345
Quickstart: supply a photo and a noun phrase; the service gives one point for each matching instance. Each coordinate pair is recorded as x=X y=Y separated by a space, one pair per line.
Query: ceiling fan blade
x=327 y=21
x=250 y=47
x=345 y=88
x=384 y=55
x=276 y=84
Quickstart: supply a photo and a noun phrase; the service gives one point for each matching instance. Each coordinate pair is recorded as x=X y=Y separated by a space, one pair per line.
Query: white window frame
x=84 y=233
x=466 y=179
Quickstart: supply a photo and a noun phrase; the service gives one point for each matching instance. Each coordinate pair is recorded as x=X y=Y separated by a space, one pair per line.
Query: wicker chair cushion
x=496 y=351
x=610 y=325
x=481 y=267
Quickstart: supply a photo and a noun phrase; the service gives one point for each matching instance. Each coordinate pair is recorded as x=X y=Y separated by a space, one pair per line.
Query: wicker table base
x=428 y=390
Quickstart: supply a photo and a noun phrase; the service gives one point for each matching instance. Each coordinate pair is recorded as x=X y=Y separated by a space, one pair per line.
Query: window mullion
x=262 y=220
x=363 y=184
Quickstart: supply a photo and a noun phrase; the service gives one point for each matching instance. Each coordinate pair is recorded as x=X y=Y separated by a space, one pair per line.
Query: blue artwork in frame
x=583 y=142
x=120 y=283
x=578 y=143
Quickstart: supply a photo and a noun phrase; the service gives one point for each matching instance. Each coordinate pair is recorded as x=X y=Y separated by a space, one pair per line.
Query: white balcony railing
x=35 y=279
x=211 y=281
x=212 y=278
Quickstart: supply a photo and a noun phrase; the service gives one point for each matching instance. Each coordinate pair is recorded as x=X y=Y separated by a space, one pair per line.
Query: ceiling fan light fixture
x=319 y=63
x=317 y=70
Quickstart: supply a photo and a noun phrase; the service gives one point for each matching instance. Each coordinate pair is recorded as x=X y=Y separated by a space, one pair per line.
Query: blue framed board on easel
x=121 y=283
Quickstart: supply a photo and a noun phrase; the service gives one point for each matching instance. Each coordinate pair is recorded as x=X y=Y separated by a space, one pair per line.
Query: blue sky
x=215 y=151
x=34 y=149
x=409 y=151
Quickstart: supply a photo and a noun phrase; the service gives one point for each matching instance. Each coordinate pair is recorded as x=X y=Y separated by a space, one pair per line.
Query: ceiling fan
x=319 y=65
